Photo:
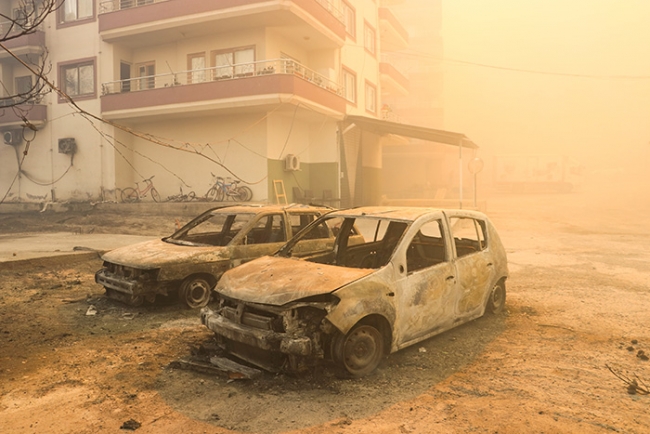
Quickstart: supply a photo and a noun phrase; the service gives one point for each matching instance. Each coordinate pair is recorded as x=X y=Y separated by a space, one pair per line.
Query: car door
x=474 y=266
x=424 y=283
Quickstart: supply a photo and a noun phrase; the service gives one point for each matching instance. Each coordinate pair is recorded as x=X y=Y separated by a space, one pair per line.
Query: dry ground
x=578 y=301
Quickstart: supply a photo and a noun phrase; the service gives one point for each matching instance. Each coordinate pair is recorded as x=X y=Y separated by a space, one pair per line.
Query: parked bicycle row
x=221 y=189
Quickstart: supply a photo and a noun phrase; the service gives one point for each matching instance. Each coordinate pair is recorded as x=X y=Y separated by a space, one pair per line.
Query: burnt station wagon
x=191 y=261
x=411 y=273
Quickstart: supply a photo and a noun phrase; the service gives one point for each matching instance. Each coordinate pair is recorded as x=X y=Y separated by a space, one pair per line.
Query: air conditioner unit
x=291 y=162
x=68 y=146
x=13 y=137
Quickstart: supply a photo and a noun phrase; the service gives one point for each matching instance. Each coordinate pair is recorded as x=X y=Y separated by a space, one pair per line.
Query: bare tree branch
x=24 y=19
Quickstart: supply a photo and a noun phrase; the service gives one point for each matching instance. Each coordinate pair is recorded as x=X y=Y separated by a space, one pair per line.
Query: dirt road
x=578 y=301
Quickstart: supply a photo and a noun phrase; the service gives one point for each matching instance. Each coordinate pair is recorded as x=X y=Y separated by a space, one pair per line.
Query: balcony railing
x=228 y=72
x=117 y=5
x=8 y=28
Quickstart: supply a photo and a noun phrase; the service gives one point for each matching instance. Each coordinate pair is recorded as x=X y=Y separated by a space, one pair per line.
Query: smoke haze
x=554 y=77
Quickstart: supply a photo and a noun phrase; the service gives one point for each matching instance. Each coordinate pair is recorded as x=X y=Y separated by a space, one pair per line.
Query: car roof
x=263 y=208
x=399 y=212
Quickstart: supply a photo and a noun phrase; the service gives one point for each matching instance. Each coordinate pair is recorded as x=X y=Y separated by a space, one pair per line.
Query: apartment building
x=181 y=90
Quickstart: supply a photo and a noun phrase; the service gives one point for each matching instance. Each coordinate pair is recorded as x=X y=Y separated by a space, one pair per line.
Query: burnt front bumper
x=267 y=340
x=117 y=283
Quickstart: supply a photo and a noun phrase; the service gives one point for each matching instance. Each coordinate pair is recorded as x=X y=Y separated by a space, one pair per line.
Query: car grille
x=246 y=315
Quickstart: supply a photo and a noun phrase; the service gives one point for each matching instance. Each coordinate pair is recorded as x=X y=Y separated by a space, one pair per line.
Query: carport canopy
x=381 y=127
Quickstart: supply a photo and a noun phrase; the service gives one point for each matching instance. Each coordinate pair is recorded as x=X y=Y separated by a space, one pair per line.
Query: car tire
x=361 y=350
x=195 y=292
x=497 y=300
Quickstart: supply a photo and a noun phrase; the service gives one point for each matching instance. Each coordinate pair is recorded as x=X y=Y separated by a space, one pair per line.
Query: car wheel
x=497 y=300
x=361 y=350
x=195 y=292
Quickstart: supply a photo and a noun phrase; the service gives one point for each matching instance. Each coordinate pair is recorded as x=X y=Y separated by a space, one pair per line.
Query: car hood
x=156 y=253
x=276 y=281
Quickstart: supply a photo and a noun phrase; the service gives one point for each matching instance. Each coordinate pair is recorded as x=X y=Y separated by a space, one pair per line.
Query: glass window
x=349 y=19
x=350 y=86
x=79 y=79
x=24 y=85
x=369 y=39
x=244 y=59
x=371 y=98
x=196 y=65
x=236 y=62
x=147 y=72
x=75 y=10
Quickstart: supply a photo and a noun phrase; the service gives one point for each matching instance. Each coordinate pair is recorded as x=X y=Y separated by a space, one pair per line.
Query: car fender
x=365 y=297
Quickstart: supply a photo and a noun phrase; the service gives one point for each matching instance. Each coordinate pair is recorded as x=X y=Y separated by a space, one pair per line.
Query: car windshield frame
x=177 y=236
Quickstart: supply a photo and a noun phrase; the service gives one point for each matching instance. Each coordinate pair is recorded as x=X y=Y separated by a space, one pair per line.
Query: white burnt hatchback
x=411 y=273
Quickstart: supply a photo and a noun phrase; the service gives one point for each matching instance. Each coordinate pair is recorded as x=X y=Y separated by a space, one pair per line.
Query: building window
x=146 y=71
x=196 y=66
x=350 y=19
x=76 y=10
x=371 y=98
x=350 y=85
x=370 y=39
x=24 y=85
x=78 y=79
x=239 y=62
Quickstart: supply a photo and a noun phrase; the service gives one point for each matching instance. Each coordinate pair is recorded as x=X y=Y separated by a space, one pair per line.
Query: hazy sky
x=578 y=104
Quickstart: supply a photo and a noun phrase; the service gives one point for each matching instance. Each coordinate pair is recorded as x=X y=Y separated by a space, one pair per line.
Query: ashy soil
x=578 y=304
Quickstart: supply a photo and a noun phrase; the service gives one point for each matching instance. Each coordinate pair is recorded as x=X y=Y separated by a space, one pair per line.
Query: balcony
x=31 y=43
x=254 y=86
x=35 y=114
x=392 y=81
x=393 y=35
x=315 y=24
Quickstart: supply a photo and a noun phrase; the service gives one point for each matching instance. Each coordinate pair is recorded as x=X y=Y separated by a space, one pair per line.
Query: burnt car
x=410 y=274
x=191 y=261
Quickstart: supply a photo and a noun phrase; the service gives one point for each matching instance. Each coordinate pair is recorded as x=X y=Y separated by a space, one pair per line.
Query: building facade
x=185 y=90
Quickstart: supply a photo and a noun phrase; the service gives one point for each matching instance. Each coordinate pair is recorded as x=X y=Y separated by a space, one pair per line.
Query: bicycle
x=182 y=197
x=221 y=189
x=131 y=194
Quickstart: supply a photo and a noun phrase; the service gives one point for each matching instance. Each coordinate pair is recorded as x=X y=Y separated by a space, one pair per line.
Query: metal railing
x=226 y=72
x=11 y=27
x=117 y=5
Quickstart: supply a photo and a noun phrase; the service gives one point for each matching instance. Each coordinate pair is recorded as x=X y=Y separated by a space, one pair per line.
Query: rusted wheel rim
x=362 y=350
x=497 y=298
x=196 y=293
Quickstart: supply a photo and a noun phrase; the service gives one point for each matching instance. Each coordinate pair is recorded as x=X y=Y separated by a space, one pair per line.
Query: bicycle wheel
x=247 y=193
x=211 y=195
x=129 y=195
x=155 y=195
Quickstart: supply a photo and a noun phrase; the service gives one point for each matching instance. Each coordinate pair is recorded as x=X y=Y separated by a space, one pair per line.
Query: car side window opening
x=469 y=235
x=268 y=229
x=300 y=221
x=427 y=248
